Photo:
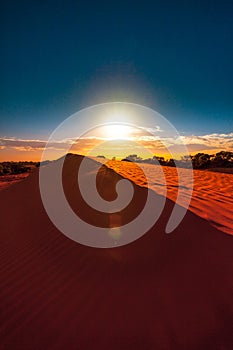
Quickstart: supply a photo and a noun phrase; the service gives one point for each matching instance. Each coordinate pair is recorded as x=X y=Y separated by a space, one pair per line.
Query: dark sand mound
x=159 y=292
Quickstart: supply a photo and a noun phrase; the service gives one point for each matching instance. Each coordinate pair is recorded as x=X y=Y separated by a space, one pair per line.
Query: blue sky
x=60 y=56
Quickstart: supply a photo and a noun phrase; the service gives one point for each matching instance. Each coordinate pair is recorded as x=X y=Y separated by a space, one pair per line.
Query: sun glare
x=117 y=131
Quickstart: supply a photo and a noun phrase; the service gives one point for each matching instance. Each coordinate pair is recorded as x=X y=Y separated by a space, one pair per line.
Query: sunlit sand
x=212 y=197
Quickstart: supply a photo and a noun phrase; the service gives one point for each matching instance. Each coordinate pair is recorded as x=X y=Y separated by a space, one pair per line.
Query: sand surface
x=159 y=292
x=9 y=180
x=212 y=196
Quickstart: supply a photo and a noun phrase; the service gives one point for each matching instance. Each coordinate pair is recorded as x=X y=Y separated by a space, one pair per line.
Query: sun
x=117 y=131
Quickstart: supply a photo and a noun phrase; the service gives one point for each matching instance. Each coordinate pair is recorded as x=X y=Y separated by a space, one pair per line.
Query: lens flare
x=118 y=232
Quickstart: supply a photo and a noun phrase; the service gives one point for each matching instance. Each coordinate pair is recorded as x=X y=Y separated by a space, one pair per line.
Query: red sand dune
x=159 y=292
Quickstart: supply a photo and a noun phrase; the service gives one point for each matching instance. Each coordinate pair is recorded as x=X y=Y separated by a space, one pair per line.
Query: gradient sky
x=60 y=56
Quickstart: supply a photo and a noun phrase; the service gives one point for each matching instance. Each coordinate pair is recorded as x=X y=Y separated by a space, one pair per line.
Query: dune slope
x=212 y=196
x=159 y=292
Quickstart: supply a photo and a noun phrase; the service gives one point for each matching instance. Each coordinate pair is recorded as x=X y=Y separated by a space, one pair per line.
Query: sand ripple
x=212 y=197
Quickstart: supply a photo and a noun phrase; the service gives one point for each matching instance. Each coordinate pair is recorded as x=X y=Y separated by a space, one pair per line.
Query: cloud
x=209 y=141
x=195 y=143
x=32 y=145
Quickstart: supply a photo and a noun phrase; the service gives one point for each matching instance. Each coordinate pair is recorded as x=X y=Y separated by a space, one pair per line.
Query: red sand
x=212 y=196
x=8 y=180
x=159 y=292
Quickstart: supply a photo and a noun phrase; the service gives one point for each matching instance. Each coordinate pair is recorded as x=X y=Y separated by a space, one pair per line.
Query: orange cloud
x=20 y=149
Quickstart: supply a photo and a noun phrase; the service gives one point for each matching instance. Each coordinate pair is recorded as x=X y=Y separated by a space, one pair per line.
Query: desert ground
x=159 y=292
x=8 y=180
